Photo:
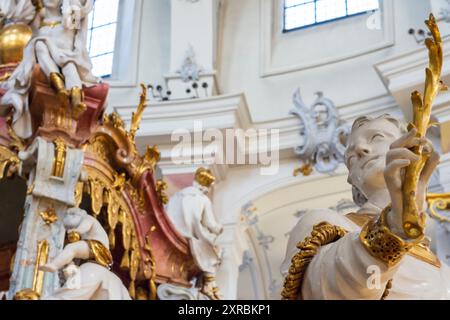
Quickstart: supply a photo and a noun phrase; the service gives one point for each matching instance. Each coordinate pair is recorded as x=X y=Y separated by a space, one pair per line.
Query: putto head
x=73 y=217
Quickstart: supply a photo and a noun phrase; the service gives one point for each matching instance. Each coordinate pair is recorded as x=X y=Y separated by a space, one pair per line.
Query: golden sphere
x=13 y=40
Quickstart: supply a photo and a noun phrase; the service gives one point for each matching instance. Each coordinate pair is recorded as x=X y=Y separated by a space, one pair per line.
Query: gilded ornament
x=322 y=234
x=73 y=237
x=79 y=193
x=100 y=254
x=115 y=120
x=413 y=222
x=5 y=76
x=49 y=216
x=161 y=188
x=9 y=162
x=382 y=243
x=52 y=24
x=306 y=170
x=96 y=193
x=41 y=259
x=27 y=295
x=13 y=40
x=119 y=181
x=137 y=116
x=441 y=202
x=152 y=261
x=60 y=158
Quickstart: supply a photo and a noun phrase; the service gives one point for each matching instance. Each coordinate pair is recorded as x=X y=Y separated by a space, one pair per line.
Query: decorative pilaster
x=49 y=196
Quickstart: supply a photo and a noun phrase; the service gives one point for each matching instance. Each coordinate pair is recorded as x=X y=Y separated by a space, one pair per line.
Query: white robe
x=96 y=283
x=340 y=270
x=191 y=213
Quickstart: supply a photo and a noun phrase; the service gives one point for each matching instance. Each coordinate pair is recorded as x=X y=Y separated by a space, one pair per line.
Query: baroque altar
x=77 y=156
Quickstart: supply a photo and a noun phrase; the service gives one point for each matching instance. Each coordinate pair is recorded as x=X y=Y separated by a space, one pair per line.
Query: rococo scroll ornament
x=324 y=134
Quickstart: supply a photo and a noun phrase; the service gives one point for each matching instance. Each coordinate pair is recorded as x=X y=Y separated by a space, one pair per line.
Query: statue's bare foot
x=49 y=267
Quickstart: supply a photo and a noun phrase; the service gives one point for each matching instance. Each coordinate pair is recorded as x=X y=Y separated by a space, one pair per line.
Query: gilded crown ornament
x=205 y=177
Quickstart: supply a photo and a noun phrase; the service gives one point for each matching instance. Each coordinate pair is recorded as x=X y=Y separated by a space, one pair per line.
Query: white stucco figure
x=92 y=280
x=91 y=235
x=373 y=260
x=58 y=46
x=190 y=210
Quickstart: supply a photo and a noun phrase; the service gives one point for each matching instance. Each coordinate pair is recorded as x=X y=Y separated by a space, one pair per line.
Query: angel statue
x=58 y=45
x=88 y=243
x=190 y=210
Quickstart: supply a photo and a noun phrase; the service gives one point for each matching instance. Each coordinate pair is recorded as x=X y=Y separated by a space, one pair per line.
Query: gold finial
x=205 y=177
x=137 y=116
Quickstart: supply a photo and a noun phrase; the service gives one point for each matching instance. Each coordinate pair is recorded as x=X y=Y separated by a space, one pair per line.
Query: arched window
x=304 y=13
x=101 y=37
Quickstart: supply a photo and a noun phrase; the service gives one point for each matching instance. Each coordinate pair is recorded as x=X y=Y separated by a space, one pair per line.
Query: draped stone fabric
x=191 y=213
x=94 y=282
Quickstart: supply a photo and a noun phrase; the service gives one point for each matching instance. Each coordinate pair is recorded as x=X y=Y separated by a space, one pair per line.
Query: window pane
x=330 y=9
x=300 y=16
x=105 y=12
x=103 y=40
x=101 y=35
x=291 y=3
x=103 y=65
x=300 y=13
x=358 y=6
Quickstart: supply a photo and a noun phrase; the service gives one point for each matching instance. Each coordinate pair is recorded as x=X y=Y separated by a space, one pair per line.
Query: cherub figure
x=88 y=241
